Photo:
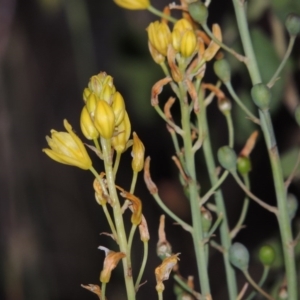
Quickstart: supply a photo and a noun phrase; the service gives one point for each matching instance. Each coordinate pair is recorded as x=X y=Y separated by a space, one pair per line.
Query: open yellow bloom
x=67 y=148
x=133 y=4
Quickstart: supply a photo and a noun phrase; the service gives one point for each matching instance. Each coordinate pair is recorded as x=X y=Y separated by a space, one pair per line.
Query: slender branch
x=161 y=14
x=103 y=289
x=184 y=285
x=292 y=175
x=143 y=265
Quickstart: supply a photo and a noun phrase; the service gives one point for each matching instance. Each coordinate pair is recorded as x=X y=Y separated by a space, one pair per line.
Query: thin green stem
x=224 y=228
x=143 y=265
x=222 y=45
x=263 y=204
x=97 y=144
x=230 y=129
x=171 y=214
x=133 y=182
x=213 y=189
x=256 y=286
x=106 y=147
x=283 y=62
x=215 y=226
x=103 y=289
x=236 y=98
x=130 y=238
x=245 y=206
x=117 y=163
x=110 y=222
x=197 y=233
x=160 y=295
x=184 y=285
x=261 y=282
x=267 y=127
x=161 y=14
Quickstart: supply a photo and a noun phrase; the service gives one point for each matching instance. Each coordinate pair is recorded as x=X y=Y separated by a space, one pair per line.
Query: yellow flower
x=67 y=148
x=133 y=4
x=159 y=35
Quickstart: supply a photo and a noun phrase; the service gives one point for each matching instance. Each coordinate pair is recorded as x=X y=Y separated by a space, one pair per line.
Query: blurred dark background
x=49 y=220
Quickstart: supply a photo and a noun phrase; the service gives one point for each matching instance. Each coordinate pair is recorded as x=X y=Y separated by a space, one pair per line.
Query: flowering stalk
x=267 y=128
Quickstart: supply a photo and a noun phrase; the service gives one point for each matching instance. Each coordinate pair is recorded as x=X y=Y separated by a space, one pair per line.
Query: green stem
x=117 y=163
x=256 y=286
x=184 y=285
x=131 y=235
x=261 y=282
x=215 y=226
x=160 y=295
x=224 y=228
x=263 y=204
x=133 y=182
x=197 y=233
x=241 y=220
x=283 y=62
x=222 y=45
x=110 y=222
x=97 y=144
x=106 y=147
x=240 y=103
x=171 y=214
x=230 y=129
x=267 y=127
x=103 y=288
x=161 y=14
x=142 y=268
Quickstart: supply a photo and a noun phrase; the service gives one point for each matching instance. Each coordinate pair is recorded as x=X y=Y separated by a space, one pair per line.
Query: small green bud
x=198 y=12
x=297 y=115
x=292 y=24
x=292 y=205
x=239 y=256
x=222 y=70
x=224 y=105
x=267 y=255
x=261 y=95
x=206 y=219
x=244 y=165
x=227 y=158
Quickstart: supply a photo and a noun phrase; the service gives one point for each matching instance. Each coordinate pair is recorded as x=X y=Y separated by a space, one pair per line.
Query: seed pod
x=227 y=158
x=198 y=12
x=239 y=256
x=261 y=95
x=292 y=24
x=222 y=70
x=267 y=255
x=244 y=165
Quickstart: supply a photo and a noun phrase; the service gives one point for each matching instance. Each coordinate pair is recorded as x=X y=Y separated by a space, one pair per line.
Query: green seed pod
x=292 y=205
x=297 y=115
x=244 y=165
x=292 y=24
x=227 y=158
x=267 y=255
x=198 y=12
x=222 y=70
x=239 y=256
x=163 y=250
x=261 y=95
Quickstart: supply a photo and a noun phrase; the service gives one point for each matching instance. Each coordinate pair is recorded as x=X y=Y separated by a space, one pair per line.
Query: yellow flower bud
x=87 y=126
x=133 y=4
x=110 y=262
x=67 y=148
x=86 y=93
x=176 y=39
x=119 y=141
x=98 y=82
x=182 y=25
x=106 y=93
x=159 y=36
x=91 y=104
x=138 y=152
x=104 y=119
x=188 y=43
x=118 y=107
x=157 y=57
